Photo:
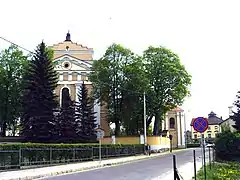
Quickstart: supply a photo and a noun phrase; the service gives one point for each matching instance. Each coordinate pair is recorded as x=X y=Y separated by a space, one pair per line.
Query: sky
x=205 y=34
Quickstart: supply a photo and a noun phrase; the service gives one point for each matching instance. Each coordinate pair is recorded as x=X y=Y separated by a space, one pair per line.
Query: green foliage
x=236 y=114
x=44 y=154
x=12 y=67
x=150 y=131
x=169 y=79
x=39 y=100
x=120 y=78
x=226 y=145
x=66 y=122
x=85 y=115
x=116 y=78
x=221 y=171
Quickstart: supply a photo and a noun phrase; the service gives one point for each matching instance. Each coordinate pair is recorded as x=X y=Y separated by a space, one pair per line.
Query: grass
x=221 y=171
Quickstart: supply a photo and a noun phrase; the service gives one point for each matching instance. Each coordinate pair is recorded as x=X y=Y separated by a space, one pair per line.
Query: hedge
x=29 y=154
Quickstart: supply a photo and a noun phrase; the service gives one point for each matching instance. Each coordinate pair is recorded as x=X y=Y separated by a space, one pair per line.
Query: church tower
x=73 y=62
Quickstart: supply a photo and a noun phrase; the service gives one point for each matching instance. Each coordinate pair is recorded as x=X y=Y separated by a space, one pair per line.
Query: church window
x=65 y=95
x=66 y=65
x=172 y=123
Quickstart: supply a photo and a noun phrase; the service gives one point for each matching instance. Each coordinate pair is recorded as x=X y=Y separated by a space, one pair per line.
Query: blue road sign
x=200 y=124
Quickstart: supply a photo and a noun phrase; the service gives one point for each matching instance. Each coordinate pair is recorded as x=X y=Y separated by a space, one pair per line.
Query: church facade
x=73 y=63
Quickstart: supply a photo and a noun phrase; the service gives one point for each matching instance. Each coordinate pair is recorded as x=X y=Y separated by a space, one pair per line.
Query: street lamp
x=144 y=117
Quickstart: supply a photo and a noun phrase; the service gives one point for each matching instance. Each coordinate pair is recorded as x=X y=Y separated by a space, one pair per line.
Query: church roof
x=178 y=109
x=212 y=119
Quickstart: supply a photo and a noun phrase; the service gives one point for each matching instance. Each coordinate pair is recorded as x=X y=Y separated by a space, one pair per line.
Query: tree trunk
x=3 y=129
x=156 y=124
x=117 y=128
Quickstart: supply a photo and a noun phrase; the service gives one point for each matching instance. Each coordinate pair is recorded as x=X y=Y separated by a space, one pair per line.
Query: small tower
x=68 y=37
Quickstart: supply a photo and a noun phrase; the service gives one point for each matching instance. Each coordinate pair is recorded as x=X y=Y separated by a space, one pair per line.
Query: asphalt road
x=141 y=170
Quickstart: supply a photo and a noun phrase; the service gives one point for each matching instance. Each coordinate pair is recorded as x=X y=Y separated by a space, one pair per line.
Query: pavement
x=154 y=167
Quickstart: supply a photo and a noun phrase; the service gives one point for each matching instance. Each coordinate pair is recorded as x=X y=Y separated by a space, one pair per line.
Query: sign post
x=200 y=125
x=100 y=135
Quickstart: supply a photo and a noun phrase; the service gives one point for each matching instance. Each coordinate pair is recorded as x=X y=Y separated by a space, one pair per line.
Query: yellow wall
x=211 y=130
x=151 y=140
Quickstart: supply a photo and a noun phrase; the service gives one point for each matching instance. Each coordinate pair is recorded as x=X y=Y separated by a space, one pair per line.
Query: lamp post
x=144 y=119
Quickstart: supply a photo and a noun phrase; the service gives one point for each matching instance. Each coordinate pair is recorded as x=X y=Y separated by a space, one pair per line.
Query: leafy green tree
x=66 y=120
x=169 y=80
x=12 y=66
x=134 y=85
x=108 y=79
x=39 y=100
x=236 y=114
x=85 y=116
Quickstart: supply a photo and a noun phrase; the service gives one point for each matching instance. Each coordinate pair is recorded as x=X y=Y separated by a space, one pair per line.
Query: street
x=141 y=170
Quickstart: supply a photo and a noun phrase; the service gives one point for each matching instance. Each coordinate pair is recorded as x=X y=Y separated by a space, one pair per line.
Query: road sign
x=100 y=134
x=200 y=124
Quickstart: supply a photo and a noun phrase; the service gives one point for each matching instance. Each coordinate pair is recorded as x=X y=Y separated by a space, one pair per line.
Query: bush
x=227 y=146
x=28 y=154
x=193 y=145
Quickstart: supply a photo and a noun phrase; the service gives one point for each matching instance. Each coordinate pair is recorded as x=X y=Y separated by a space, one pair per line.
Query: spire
x=211 y=114
x=68 y=37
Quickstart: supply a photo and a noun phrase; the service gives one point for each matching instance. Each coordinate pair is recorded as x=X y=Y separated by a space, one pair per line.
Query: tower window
x=172 y=123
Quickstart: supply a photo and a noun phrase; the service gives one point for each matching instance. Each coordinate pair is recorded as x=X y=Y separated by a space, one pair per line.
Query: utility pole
x=144 y=119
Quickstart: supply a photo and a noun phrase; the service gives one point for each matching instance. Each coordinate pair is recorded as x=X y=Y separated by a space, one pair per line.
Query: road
x=141 y=170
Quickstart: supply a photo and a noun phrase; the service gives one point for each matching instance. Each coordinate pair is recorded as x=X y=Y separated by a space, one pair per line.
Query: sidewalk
x=68 y=168
x=186 y=171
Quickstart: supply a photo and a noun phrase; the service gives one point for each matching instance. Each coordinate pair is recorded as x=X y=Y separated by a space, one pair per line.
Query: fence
x=210 y=160
x=16 y=159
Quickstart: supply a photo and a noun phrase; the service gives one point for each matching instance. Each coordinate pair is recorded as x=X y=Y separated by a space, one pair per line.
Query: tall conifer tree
x=236 y=114
x=39 y=100
x=66 y=122
x=86 y=115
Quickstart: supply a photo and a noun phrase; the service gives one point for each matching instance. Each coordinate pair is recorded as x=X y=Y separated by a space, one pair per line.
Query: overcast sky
x=205 y=34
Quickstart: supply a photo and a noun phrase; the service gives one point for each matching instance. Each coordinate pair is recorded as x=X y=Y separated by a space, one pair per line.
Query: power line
x=15 y=44
x=133 y=92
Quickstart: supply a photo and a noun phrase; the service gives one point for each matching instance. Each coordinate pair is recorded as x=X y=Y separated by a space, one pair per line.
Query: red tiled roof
x=178 y=109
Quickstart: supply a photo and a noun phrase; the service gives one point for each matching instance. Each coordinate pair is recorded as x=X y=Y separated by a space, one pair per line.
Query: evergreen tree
x=236 y=115
x=66 y=123
x=86 y=115
x=39 y=100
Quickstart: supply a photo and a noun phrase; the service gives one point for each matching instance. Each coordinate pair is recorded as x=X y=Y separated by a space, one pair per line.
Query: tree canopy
x=121 y=77
x=12 y=67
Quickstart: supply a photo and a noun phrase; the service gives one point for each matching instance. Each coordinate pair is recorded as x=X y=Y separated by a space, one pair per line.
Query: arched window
x=65 y=96
x=172 y=123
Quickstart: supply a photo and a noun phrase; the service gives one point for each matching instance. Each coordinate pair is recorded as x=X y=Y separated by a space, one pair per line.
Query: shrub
x=227 y=146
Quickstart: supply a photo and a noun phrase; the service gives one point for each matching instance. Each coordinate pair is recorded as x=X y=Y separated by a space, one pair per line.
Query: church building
x=73 y=62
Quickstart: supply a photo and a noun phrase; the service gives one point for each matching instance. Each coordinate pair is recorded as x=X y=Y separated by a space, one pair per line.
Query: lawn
x=221 y=171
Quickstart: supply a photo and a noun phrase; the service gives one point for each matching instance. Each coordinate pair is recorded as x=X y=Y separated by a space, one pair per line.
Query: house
x=214 y=127
x=228 y=124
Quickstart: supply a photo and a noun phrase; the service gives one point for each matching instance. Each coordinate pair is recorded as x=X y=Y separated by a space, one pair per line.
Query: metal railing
x=16 y=159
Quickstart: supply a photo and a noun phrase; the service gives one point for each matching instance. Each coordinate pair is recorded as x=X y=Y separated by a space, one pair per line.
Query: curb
x=104 y=165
